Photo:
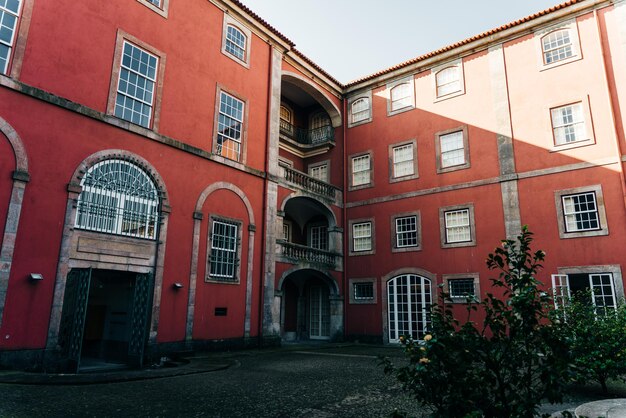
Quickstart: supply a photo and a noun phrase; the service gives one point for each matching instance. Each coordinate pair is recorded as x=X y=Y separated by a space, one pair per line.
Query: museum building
x=177 y=176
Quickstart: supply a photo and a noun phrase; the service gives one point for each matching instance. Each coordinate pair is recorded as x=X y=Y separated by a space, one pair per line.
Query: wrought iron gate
x=142 y=304
x=73 y=318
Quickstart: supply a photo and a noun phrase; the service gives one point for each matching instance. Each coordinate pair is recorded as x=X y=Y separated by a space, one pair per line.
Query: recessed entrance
x=105 y=318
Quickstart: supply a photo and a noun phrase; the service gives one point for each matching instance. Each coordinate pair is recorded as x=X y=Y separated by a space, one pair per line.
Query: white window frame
x=395 y=163
x=231 y=22
x=362 y=242
x=448 y=278
x=563 y=213
x=400 y=104
x=233 y=264
x=571 y=27
x=442 y=166
x=160 y=7
x=355 y=283
x=444 y=227
x=361 y=176
x=144 y=78
x=438 y=71
x=318 y=237
x=363 y=115
x=397 y=232
x=15 y=14
x=320 y=171
x=221 y=117
x=581 y=121
x=400 y=309
x=562 y=294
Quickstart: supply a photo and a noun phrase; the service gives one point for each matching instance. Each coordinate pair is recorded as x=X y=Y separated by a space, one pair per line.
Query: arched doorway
x=106 y=289
x=310 y=308
x=409 y=299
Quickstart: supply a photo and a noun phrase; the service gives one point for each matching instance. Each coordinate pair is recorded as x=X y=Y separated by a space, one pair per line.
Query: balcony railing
x=317 y=136
x=308 y=183
x=299 y=253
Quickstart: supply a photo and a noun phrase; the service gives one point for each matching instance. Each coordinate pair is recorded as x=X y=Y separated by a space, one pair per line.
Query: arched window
x=118 y=198
x=557 y=46
x=236 y=42
x=408 y=304
x=448 y=81
x=360 y=109
x=401 y=96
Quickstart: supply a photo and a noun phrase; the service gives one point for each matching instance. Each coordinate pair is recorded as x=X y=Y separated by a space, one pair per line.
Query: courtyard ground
x=322 y=381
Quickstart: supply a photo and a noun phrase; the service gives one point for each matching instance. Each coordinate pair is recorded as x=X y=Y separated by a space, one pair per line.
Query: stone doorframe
x=335 y=298
x=66 y=262
x=20 y=178
x=195 y=253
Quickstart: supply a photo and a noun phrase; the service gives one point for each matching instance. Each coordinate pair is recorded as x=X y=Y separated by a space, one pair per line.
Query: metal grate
x=118 y=198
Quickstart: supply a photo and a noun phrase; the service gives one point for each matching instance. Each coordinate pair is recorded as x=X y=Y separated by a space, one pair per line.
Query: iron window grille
x=363 y=291
x=557 y=46
x=406 y=232
x=135 y=87
x=580 y=212
x=223 y=258
x=230 y=126
x=118 y=197
x=9 y=15
x=458 y=226
x=461 y=288
x=236 y=43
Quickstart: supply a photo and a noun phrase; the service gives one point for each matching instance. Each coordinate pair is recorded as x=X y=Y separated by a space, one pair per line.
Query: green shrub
x=595 y=338
x=501 y=367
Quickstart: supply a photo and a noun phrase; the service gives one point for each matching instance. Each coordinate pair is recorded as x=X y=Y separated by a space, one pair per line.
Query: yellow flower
x=428 y=337
x=424 y=349
x=424 y=360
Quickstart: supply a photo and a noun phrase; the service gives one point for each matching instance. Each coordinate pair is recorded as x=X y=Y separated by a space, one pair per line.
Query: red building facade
x=178 y=177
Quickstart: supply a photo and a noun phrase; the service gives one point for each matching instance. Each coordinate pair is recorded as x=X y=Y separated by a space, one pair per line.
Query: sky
x=350 y=39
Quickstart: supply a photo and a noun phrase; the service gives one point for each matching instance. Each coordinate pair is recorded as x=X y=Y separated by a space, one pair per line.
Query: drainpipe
x=346 y=286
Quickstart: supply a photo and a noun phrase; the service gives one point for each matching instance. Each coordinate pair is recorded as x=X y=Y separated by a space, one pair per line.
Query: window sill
x=545 y=67
x=449 y=96
x=585 y=234
x=403 y=178
x=572 y=145
x=458 y=244
x=453 y=168
x=406 y=249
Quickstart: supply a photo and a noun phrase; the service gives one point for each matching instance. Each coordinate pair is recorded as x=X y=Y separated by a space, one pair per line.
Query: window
x=319 y=171
x=601 y=288
x=448 y=81
x=9 y=15
x=362 y=236
x=157 y=3
x=581 y=212
x=557 y=46
x=158 y=6
x=568 y=124
x=361 y=170
x=119 y=198
x=461 y=286
x=360 y=106
x=285 y=120
x=136 y=85
x=229 y=126
x=236 y=41
x=408 y=306
x=403 y=161
x=362 y=291
x=286 y=231
x=452 y=149
x=401 y=96
x=360 y=110
x=457 y=226
x=318 y=237
x=224 y=250
x=406 y=232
